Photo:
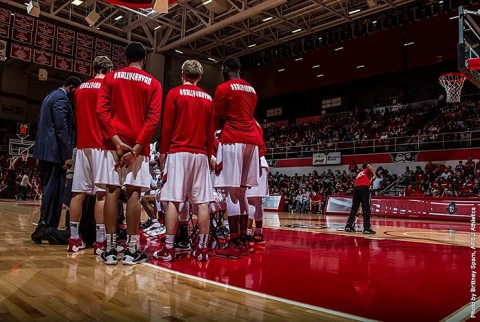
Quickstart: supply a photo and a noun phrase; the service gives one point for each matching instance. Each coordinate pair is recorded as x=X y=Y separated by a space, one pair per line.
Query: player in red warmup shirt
x=238 y=157
x=129 y=107
x=89 y=154
x=186 y=168
x=361 y=195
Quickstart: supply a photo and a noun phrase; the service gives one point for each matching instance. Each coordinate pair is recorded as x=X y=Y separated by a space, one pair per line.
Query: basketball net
x=453 y=84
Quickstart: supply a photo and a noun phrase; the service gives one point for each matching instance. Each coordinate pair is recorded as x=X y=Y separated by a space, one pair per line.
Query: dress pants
x=361 y=195
x=52 y=176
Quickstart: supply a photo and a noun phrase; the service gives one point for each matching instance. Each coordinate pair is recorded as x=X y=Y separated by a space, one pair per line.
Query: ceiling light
x=408 y=43
x=12 y=14
x=118 y=18
x=252 y=45
x=374 y=22
x=360 y=66
x=354 y=11
x=339 y=48
x=281 y=70
x=157 y=27
x=440 y=2
x=210 y=58
x=296 y=30
x=178 y=51
x=267 y=19
x=299 y=59
x=207 y=2
x=315 y=66
x=77 y=2
x=321 y=75
x=319 y=38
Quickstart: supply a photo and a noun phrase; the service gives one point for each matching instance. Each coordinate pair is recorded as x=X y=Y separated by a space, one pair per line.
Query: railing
x=440 y=141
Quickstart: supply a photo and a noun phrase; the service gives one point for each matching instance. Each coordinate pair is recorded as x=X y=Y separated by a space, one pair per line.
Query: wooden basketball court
x=308 y=271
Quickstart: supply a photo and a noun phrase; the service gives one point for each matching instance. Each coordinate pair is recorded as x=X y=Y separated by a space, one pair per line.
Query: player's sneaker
x=135 y=258
x=229 y=251
x=146 y=224
x=248 y=240
x=350 y=229
x=200 y=254
x=152 y=227
x=109 y=257
x=74 y=245
x=99 y=247
x=165 y=254
x=243 y=248
x=182 y=245
x=258 y=239
x=158 y=231
x=369 y=231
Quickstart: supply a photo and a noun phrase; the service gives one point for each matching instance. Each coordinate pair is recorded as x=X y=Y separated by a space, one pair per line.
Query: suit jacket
x=55 y=137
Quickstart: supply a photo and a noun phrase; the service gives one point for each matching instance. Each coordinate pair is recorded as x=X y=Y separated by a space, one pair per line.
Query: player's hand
x=212 y=162
x=68 y=164
x=127 y=159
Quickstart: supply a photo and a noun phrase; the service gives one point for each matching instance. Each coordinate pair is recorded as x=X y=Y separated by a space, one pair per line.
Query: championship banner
x=4 y=30
x=43 y=58
x=44 y=41
x=63 y=63
x=66 y=35
x=103 y=46
x=319 y=159
x=118 y=62
x=5 y=16
x=23 y=22
x=85 y=40
x=82 y=67
x=45 y=28
x=23 y=36
x=64 y=47
x=21 y=52
x=118 y=50
x=405 y=207
x=84 y=53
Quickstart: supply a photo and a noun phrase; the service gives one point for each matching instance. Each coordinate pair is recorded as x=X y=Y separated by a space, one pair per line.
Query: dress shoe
x=39 y=234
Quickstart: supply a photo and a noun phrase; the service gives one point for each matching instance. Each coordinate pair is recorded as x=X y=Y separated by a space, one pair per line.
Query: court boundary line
x=262 y=295
x=462 y=313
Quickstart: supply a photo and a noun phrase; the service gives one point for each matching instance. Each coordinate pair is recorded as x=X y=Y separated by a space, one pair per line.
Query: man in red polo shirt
x=89 y=154
x=187 y=137
x=361 y=195
x=129 y=107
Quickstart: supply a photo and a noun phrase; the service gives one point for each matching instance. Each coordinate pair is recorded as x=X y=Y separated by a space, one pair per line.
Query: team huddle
x=117 y=114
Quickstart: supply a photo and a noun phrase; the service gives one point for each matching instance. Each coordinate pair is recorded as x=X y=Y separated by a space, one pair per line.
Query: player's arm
x=104 y=111
x=152 y=120
x=210 y=135
x=372 y=171
x=220 y=105
x=167 y=127
x=60 y=111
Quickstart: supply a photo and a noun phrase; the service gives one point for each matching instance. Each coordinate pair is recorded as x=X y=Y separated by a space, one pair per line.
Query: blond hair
x=192 y=69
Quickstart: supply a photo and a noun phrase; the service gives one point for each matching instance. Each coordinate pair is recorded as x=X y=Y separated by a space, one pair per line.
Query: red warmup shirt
x=262 y=149
x=235 y=102
x=363 y=178
x=188 y=121
x=89 y=134
x=129 y=105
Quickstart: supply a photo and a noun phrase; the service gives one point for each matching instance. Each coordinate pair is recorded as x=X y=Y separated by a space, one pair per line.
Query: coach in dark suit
x=53 y=149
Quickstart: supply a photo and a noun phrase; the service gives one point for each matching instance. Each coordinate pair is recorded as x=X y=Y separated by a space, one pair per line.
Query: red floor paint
x=380 y=279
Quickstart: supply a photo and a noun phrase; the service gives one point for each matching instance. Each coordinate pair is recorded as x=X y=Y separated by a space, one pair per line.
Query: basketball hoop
x=453 y=84
x=24 y=157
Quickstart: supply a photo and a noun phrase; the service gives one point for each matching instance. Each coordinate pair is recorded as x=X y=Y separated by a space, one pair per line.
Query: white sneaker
x=158 y=231
x=152 y=227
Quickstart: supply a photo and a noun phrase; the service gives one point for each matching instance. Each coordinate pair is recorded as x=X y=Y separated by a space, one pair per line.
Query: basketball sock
x=258 y=231
x=155 y=220
x=249 y=232
x=183 y=231
x=233 y=236
x=74 y=229
x=132 y=243
x=202 y=240
x=169 y=240
x=100 y=233
x=226 y=224
x=111 y=241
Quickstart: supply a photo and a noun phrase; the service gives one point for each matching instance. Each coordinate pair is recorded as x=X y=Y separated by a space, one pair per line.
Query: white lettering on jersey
x=193 y=93
x=133 y=77
x=241 y=87
x=90 y=85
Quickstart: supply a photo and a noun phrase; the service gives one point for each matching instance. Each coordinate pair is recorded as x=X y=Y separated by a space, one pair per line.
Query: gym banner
x=84 y=40
x=43 y=58
x=21 y=52
x=4 y=30
x=82 y=67
x=45 y=28
x=273 y=203
x=63 y=63
x=23 y=22
x=103 y=46
x=64 y=47
x=405 y=207
x=44 y=41
x=118 y=50
x=83 y=53
x=23 y=36
x=65 y=34
x=5 y=16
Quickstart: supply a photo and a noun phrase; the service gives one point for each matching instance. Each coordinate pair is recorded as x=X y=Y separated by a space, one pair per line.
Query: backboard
x=468 y=48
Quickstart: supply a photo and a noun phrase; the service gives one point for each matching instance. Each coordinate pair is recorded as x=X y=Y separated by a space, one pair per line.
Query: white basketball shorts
x=87 y=162
x=238 y=165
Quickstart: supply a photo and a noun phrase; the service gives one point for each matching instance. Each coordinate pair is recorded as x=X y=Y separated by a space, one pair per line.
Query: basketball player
x=129 y=107
x=237 y=158
x=255 y=197
x=361 y=195
x=89 y=154
x=187 y=130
